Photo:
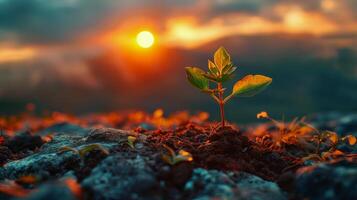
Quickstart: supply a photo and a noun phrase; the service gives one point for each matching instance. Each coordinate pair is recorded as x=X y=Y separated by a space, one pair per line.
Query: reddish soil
x=224 y=149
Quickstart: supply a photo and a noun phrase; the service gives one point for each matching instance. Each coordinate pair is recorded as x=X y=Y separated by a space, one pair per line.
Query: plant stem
x=221 y=103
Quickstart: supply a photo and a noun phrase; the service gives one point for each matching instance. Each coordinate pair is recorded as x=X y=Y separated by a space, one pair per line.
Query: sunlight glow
x=328 y=5
x=145 y=39
x=294 y=19
x=15 y=54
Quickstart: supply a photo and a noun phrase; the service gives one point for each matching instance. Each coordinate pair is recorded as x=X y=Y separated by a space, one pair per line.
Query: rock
x=62 y=140
x=23 y=142
x=213 y=184
x=122 y=177
x=64 y=127
x=108 y=134
x=5 y=154
x=210 y=184
x=39 y=164
x=48 y=161
x=328 y=181
x=253 y=187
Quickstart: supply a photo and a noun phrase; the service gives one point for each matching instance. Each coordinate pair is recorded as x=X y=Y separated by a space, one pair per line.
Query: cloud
x=49 y=21
x=62 y=46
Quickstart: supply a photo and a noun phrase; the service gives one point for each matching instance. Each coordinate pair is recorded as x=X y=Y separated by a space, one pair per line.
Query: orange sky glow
x=187 y=31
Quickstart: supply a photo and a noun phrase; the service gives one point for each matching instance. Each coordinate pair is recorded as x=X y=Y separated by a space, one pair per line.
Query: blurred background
x=82 y=56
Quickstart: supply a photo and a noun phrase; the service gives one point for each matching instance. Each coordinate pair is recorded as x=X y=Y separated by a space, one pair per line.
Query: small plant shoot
x=172 y=158
x=220 y=71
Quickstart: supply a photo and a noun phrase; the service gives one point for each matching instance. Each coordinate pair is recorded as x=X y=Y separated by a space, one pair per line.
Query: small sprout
x=262 y=115
x=67 y=148
x=158 y=113
x=88 y=148
x=350 y=139
x=331 y=154
x=334 y=141
x=283 y=128
x=131 y=141
x=332 y=136
x=172 y=159
x=84 y=150
x=220 y=71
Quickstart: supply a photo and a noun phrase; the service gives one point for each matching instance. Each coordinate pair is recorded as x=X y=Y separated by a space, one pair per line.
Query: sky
x=81 y=56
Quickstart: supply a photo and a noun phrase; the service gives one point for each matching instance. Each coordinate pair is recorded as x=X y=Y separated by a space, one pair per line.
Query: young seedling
x=172 y=159
x=131 y=141
x=331 y=140
x=220 y=71
x=84 y=150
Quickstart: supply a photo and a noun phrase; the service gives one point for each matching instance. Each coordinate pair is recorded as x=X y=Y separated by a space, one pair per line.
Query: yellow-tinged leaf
x=196 y=78
x=221 y=58
x=250 y=85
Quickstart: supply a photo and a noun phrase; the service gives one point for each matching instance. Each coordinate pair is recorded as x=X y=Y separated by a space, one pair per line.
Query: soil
x=223 y=149
x=220 y=155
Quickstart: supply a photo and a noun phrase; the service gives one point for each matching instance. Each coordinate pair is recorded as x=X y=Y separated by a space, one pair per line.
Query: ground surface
x=137 y=156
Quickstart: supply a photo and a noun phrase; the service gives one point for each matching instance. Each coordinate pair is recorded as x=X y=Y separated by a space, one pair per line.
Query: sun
x=145 y=39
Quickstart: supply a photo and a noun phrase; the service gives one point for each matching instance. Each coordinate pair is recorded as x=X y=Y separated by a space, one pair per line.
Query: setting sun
x=145 y=39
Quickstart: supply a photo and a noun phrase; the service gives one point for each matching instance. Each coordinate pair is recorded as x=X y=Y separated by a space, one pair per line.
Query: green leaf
x=250 y=85
x=212 y=68
x=196 y=78
x=221 y=58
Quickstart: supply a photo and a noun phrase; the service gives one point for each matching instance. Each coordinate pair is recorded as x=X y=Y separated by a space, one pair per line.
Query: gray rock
x=69 y=129
x=43 y=165
x=49 y=161
x=108 y=134
x=253 y=187
x=62 y=140
x=328 y=181
x=213 y=184
x=122 y=177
